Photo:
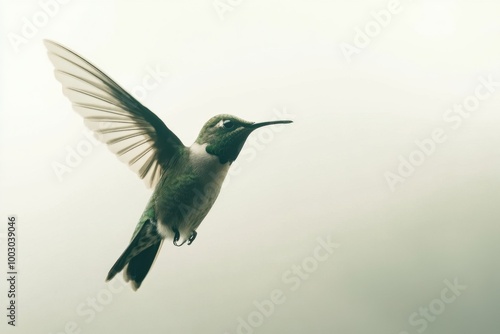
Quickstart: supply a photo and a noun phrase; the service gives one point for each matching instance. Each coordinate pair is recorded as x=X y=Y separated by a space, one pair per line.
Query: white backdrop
x=376 y=211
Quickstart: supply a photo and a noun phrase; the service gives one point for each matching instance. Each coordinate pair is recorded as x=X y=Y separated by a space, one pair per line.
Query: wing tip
x=50 y=44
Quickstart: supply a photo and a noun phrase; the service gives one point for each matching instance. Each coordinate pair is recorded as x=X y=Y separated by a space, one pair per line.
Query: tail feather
x=139 y=255
x=138 y=267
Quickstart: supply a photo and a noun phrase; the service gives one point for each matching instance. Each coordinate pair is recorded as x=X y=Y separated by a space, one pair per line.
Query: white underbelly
x=211 y=174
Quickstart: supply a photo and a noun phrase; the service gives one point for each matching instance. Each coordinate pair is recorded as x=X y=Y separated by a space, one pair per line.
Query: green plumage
x=186 y=180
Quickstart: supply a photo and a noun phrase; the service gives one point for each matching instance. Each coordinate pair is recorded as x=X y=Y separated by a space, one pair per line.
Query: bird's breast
x=186 y=198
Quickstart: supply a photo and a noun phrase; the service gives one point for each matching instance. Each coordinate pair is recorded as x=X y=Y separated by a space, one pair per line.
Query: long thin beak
x=258 y=125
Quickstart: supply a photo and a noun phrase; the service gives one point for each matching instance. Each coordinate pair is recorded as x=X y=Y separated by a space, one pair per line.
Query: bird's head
x=226 y=134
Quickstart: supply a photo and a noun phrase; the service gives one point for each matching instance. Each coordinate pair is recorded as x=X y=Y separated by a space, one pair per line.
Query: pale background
x=321 y=177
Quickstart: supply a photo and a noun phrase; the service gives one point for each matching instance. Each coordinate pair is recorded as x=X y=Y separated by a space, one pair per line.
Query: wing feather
x=131 y=131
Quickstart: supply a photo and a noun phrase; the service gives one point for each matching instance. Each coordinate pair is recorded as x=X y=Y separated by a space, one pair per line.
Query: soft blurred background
x=362 y=80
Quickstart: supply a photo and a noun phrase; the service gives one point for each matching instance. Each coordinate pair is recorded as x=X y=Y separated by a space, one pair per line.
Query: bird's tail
x=139 y=256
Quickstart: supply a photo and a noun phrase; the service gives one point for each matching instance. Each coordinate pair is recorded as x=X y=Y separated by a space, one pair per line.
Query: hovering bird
x=186 y=180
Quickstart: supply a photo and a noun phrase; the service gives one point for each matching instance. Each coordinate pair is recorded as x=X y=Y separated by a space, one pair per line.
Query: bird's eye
x=228 y=124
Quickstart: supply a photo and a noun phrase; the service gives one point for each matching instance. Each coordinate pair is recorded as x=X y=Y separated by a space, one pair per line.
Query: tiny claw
x=192 y=237
x=177 y=236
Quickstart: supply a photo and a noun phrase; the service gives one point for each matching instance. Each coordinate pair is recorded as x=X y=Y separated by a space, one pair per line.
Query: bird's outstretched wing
x=134 y=133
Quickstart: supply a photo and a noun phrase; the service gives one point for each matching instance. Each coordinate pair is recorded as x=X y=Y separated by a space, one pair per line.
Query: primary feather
x=131 y=130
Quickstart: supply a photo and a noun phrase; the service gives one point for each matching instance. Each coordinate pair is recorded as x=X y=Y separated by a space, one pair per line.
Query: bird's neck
x=207 y=165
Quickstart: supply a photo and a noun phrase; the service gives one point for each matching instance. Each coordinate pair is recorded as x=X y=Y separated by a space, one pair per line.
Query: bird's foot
x=192 y=237
x=177 y=236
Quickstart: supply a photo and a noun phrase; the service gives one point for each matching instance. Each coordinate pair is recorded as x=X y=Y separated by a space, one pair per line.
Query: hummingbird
x=186 y=180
